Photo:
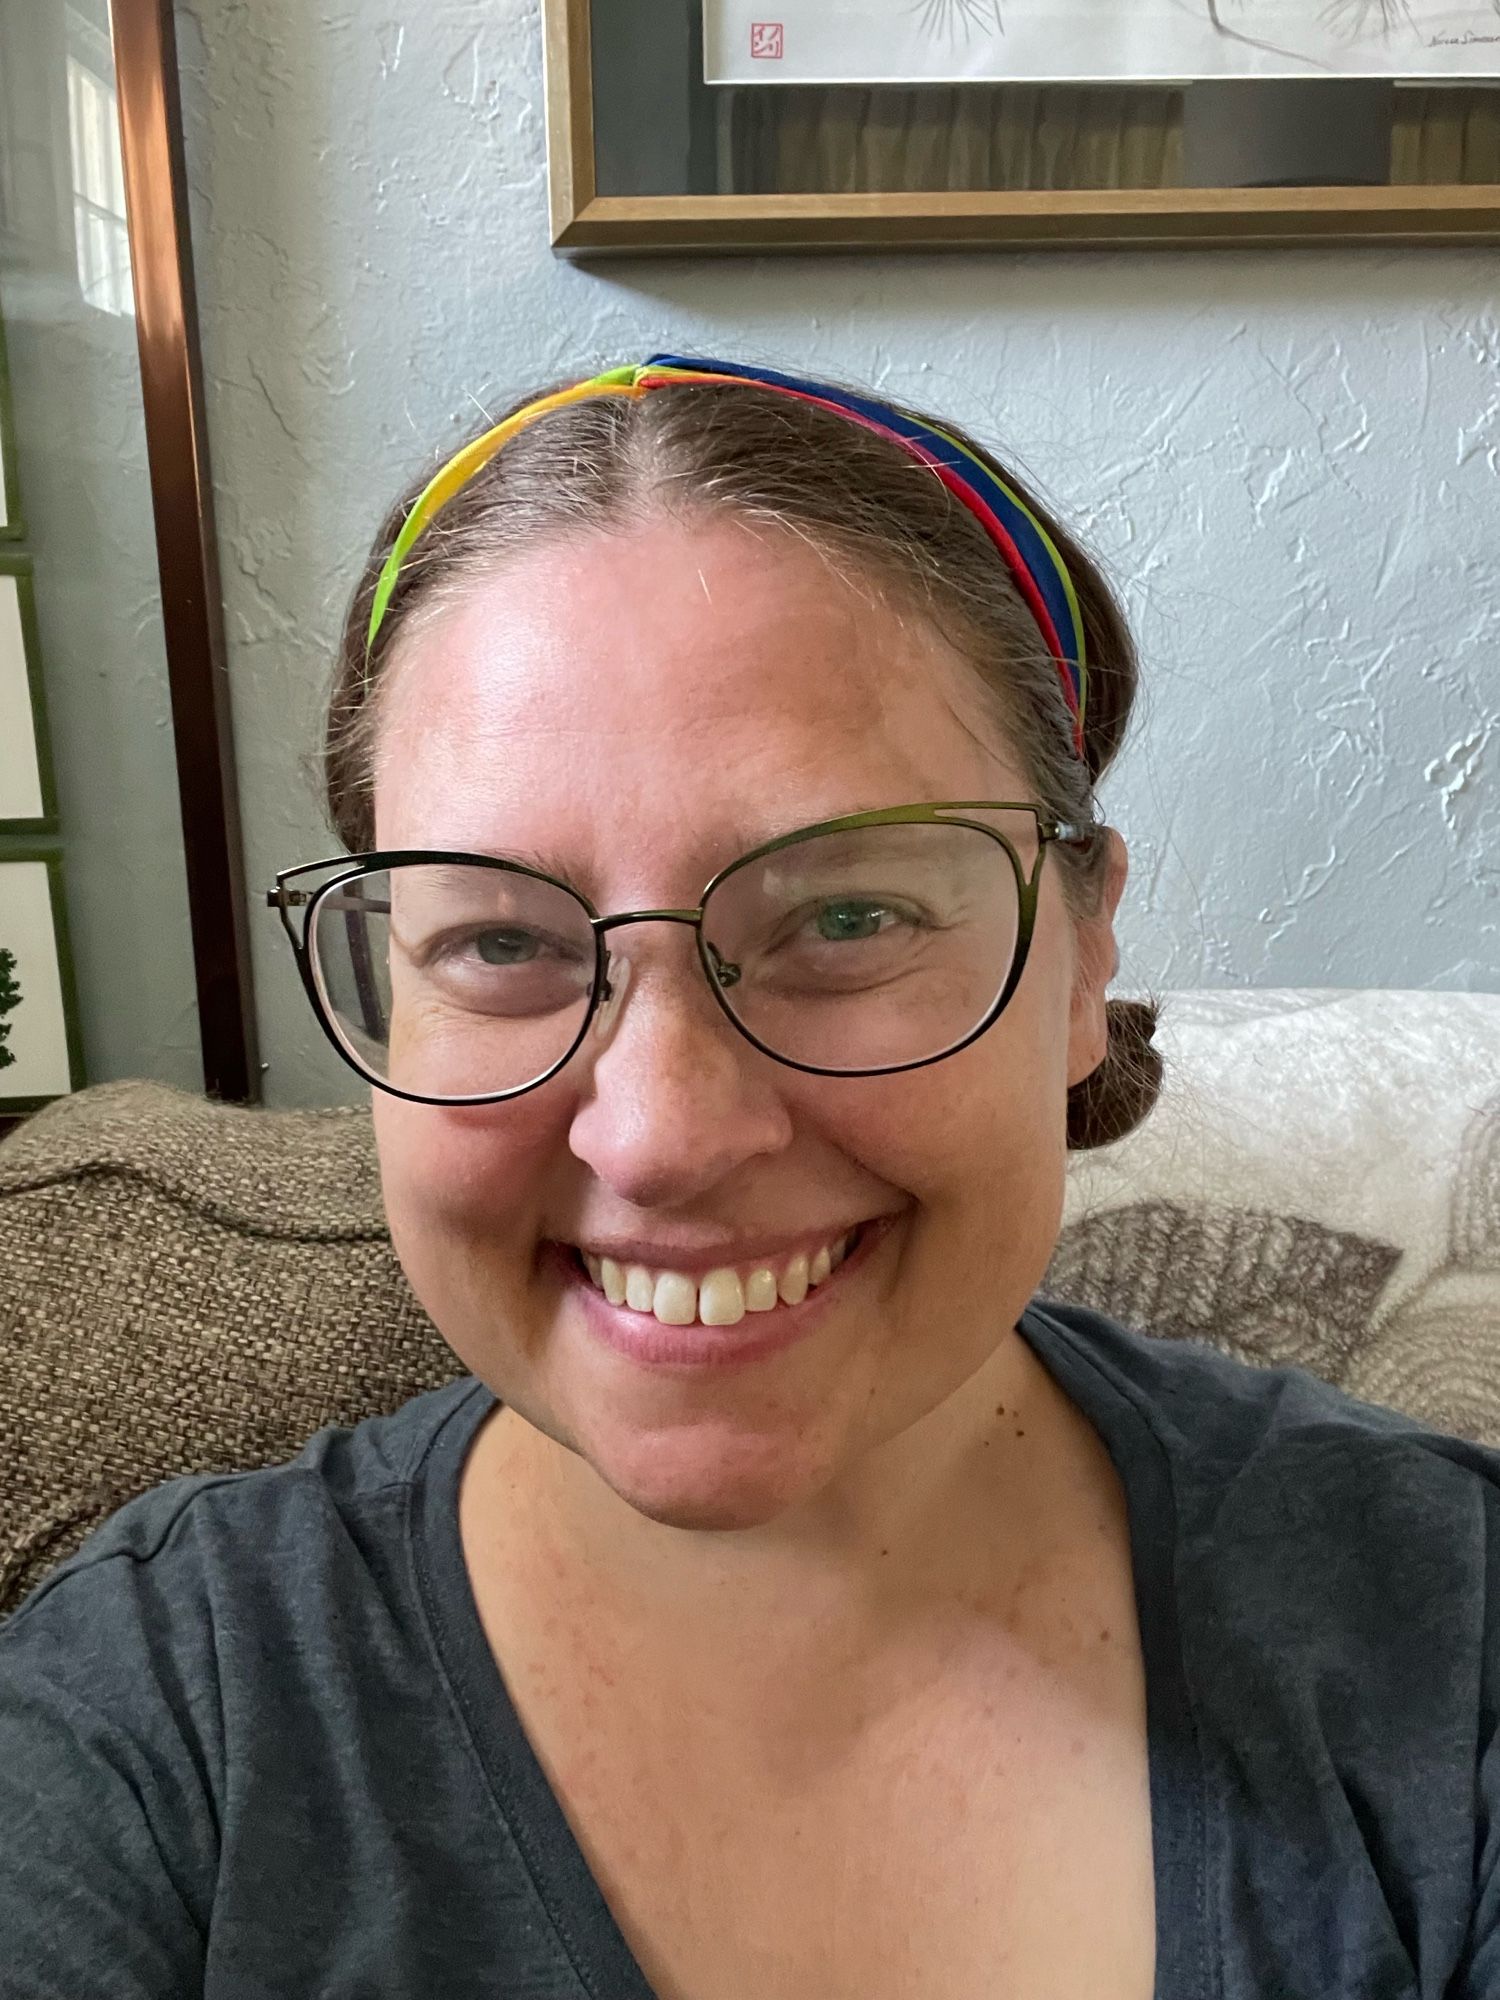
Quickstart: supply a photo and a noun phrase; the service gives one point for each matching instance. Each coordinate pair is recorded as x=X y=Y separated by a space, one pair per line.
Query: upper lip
x=696 y=1261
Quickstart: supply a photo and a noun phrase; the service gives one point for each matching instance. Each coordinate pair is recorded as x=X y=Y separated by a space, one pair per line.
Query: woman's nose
x=675 y=1099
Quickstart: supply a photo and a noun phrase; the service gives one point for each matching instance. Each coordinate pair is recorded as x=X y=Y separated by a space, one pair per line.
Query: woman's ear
x=1095 y=963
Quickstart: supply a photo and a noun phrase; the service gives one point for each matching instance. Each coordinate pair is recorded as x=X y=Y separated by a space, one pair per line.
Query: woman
x=787 y=1607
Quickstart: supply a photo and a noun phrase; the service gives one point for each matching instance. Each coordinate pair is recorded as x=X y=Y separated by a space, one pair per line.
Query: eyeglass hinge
x=1069 y=832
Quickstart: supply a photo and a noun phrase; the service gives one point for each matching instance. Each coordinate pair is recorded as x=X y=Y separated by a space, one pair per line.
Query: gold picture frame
x=586 y=221
x=28 y=793
x=12 y=512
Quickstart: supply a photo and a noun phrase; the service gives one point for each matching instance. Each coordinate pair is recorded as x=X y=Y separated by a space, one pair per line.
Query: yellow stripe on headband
x=453 y=476
x=461 y=468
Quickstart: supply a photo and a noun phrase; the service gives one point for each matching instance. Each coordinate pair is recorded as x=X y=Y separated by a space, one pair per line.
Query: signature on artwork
x=1352 y=22
x=1362 y=20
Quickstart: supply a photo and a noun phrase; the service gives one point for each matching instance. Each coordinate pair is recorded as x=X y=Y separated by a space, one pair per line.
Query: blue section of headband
x=1041 y=561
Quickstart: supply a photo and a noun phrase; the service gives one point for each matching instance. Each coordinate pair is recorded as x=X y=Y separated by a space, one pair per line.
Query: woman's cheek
x=992 y=1115
x=465 y=1176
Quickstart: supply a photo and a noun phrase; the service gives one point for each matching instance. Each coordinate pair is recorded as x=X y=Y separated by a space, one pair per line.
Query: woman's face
x=642 y=708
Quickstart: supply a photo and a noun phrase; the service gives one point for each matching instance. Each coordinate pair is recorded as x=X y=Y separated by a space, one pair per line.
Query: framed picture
x=700 y=125
x=12 y=523
x=40 y=1051
x=27 y=800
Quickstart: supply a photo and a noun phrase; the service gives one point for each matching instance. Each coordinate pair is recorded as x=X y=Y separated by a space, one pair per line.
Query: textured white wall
x=1289 y=461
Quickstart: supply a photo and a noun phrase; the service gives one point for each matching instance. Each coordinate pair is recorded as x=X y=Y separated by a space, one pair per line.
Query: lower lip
x=642 y=1338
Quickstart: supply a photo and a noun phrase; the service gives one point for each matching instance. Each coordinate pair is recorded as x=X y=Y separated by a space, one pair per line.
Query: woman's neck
x=966 y=1511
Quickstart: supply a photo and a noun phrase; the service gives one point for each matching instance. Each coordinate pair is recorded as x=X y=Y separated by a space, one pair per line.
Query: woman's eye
x=507 y=947
x=497 y=945
x=840 y=922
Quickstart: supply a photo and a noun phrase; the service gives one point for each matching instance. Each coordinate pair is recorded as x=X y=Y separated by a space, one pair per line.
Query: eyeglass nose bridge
x=622 y=917
x=612 y=993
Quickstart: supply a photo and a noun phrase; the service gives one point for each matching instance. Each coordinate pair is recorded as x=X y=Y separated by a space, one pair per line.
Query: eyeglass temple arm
x=293 y=899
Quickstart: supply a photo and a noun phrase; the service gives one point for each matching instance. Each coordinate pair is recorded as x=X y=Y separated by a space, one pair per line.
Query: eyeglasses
x=878 y=942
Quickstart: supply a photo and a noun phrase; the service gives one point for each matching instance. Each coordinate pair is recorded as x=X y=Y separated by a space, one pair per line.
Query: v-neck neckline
x=585 y=1927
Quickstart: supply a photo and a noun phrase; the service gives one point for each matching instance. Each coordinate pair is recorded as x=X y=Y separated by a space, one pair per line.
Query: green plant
x=10 y=997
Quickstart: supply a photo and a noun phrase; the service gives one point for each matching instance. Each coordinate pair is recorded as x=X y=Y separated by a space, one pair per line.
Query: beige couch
x=186 y=1286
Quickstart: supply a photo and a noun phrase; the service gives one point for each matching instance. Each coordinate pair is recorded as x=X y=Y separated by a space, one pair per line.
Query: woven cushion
x=185 y=1287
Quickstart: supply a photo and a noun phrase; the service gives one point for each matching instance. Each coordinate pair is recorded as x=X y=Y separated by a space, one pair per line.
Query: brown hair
x=859 y=501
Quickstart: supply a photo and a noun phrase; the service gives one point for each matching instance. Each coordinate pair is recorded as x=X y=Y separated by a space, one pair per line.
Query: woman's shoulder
x=178 y=1701
x=1207 y=1401
x=1285 y=1491
x=1319 y=1586
x=213 y=1534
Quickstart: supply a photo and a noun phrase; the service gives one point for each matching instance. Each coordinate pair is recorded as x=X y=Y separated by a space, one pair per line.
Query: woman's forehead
x=705 y=675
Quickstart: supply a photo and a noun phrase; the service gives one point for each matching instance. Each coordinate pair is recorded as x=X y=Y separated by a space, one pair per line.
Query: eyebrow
x=746 y=842
x=525 y=857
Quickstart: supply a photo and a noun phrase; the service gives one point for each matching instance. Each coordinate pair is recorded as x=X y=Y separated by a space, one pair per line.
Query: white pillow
x=1319 y=1184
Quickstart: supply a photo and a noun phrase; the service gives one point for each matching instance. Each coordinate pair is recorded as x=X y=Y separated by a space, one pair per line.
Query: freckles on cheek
x=473 y=1176
x=985 y=1137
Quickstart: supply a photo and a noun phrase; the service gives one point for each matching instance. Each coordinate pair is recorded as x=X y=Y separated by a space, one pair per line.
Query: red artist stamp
x=766 y=41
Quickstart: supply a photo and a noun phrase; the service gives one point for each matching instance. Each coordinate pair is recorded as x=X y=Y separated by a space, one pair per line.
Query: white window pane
x=98 y=190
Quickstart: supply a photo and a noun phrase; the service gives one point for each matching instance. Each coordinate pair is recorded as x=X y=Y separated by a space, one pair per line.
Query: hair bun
x=1113 y=1099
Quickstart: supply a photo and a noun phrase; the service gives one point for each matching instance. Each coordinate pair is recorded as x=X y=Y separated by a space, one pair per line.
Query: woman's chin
x=706 y=1482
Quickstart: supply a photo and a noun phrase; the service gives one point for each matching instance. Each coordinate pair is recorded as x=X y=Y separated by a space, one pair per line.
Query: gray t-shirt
x=253 y=1742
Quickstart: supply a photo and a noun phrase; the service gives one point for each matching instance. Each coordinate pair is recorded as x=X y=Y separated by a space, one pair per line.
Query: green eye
x=839 y=922
x=506 y=947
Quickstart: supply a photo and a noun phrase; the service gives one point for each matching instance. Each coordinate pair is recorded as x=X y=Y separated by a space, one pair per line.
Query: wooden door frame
x=161 y=260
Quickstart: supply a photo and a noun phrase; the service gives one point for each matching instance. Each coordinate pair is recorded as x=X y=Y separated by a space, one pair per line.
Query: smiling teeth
x=795 y=1281
x=719 y=1298
x=639 y=1286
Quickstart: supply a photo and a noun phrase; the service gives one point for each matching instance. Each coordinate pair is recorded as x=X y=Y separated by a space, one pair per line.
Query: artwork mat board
x=28 y=800
x=865 y=42
x=44 y=1035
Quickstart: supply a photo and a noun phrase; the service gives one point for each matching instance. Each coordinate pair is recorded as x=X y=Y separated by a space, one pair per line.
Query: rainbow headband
x=1028 y=550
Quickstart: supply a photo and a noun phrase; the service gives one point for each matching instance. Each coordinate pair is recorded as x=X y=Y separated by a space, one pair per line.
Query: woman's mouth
x=720 y=1297
x=732 y=1313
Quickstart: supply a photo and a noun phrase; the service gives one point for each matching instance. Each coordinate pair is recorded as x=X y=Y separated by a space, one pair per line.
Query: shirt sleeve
x=1478 y=1973
x=108 y=1826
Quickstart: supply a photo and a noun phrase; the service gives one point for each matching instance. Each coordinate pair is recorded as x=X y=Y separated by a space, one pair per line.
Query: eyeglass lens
x=848 y=951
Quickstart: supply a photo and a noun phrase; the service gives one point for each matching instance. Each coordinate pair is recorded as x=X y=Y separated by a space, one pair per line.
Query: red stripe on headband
x=975 y=502
x=1025 y=583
